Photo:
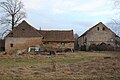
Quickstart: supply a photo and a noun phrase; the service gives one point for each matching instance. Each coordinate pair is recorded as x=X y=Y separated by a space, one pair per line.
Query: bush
x=101 y=47
x=83 y=48
x=2 y=48
x=93 y=47
x=110 y=48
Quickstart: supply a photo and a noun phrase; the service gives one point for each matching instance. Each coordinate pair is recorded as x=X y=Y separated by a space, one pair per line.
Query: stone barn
x=58 y=40
x=22 y=37
x=96 y=36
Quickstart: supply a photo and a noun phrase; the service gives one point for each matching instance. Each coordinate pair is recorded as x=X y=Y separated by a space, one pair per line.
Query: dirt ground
x=65 y=66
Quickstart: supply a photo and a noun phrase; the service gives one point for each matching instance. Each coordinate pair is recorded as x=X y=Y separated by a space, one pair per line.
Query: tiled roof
x=57 y=35
x=24 y=30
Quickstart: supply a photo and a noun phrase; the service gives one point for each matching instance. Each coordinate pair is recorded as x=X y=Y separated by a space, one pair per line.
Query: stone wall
x=97 y=36
x=21 y=43
x=58 y=45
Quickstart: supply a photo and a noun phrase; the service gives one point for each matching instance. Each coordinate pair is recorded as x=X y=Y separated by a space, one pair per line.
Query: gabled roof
x=96 y=26
x=57 y=35
x=24 y=30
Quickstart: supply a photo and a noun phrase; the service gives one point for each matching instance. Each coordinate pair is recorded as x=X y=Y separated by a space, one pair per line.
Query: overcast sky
x=78 y=15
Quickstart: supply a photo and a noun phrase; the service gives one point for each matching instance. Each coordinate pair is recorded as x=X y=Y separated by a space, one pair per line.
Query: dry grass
x=69 y=66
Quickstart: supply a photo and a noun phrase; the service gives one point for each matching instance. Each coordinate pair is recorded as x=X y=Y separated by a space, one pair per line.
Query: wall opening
x=98 y=28
x=23 y=30
x=103 y=29
x=11 y=45
x=11 y=34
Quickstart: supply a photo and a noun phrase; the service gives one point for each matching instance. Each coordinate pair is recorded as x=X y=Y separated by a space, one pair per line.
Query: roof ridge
x=56 y=30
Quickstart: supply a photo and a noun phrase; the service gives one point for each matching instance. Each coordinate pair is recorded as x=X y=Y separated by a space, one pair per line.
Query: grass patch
x=46 y=60
x=70 y=66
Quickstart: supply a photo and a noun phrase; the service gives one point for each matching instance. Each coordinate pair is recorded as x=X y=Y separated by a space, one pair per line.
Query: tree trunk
x=12 y=22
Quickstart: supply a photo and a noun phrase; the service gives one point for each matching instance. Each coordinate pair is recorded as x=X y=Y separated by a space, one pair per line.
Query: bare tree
x=13 y=12
x=114 y=26
x=115 y=23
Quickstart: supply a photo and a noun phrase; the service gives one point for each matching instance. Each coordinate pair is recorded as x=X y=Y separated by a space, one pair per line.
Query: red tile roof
x=57 y=35
x=24 y=30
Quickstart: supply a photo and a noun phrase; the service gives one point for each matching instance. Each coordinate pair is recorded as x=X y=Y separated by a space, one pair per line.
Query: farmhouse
x=24 y=36
x=96 y=36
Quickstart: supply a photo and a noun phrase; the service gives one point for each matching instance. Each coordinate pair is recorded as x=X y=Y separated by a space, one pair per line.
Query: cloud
x=89 y=6
x=57 y=11
x=34 y=4
x=71 y=13
x=65 y=6
x=102 y=13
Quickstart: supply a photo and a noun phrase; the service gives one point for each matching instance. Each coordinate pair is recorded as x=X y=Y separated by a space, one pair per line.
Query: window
x=11 y=34
x=85 y=40
x=23 y=30
x=11 y=45
x=103 y=29
x=98 y=28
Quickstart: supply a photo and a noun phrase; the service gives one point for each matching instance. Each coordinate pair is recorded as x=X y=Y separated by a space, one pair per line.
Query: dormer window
x=98 y=28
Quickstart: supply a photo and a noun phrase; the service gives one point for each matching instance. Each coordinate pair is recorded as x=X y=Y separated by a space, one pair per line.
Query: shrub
x=101 y=47
x=83 y=48
x=110 y=48
x=93 y=47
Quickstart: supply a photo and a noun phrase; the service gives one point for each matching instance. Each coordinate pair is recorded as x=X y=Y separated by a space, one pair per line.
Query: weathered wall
x=59 y=45
x=21 y=43
x=95 y=36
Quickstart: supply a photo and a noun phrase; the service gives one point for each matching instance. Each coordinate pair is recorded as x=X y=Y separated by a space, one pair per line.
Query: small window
x=23 y=30
x=11 y=34
x=98 y=28
x=85 y=40
x=103 y=29
x=11 y=45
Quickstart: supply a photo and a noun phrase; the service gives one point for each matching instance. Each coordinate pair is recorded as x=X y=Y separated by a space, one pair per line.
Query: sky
x=79 y=15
